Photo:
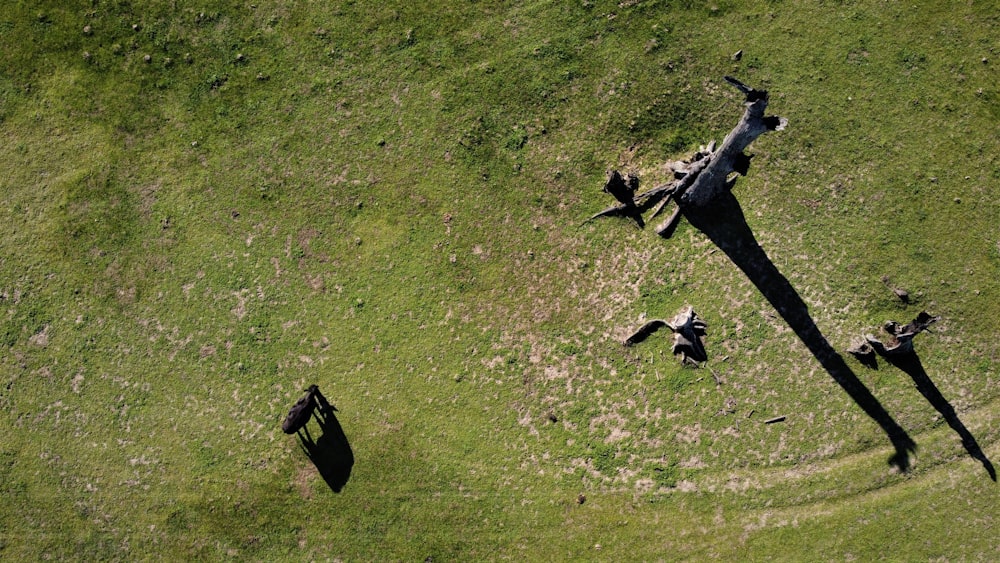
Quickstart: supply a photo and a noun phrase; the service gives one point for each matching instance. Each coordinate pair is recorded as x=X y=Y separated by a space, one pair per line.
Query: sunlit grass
x=387 y=201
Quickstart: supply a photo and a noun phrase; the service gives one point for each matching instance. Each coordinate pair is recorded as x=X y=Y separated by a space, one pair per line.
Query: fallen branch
x=667 y=228
x=715 y=376
x=689 y=332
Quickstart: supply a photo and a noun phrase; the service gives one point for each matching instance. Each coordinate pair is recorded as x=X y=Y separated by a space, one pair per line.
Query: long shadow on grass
x=331 y=453
x=725 y=225
x=911 y=365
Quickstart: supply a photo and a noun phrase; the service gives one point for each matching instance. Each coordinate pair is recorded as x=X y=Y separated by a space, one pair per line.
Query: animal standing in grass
x=304 y=409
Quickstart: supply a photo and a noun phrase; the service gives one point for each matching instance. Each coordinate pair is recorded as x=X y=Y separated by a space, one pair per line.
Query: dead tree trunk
x=702 y=180
x=730 y=156
x=901 y=336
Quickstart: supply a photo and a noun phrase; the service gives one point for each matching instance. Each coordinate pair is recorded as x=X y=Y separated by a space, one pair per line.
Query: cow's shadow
x=910 y=364
x=331 y=453
x=725 y=225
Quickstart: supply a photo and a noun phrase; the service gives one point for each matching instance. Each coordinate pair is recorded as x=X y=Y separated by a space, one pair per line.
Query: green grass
x=386 y=200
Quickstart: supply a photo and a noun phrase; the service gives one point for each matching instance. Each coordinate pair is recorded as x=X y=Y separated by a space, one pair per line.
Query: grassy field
x=206 y=208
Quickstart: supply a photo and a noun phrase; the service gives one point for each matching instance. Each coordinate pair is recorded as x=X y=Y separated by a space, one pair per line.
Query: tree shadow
x=331 y=453
x=724 y=223
x=910 y=364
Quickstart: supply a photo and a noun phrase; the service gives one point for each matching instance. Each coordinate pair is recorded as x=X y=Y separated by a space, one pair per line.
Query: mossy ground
x=203 y=210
